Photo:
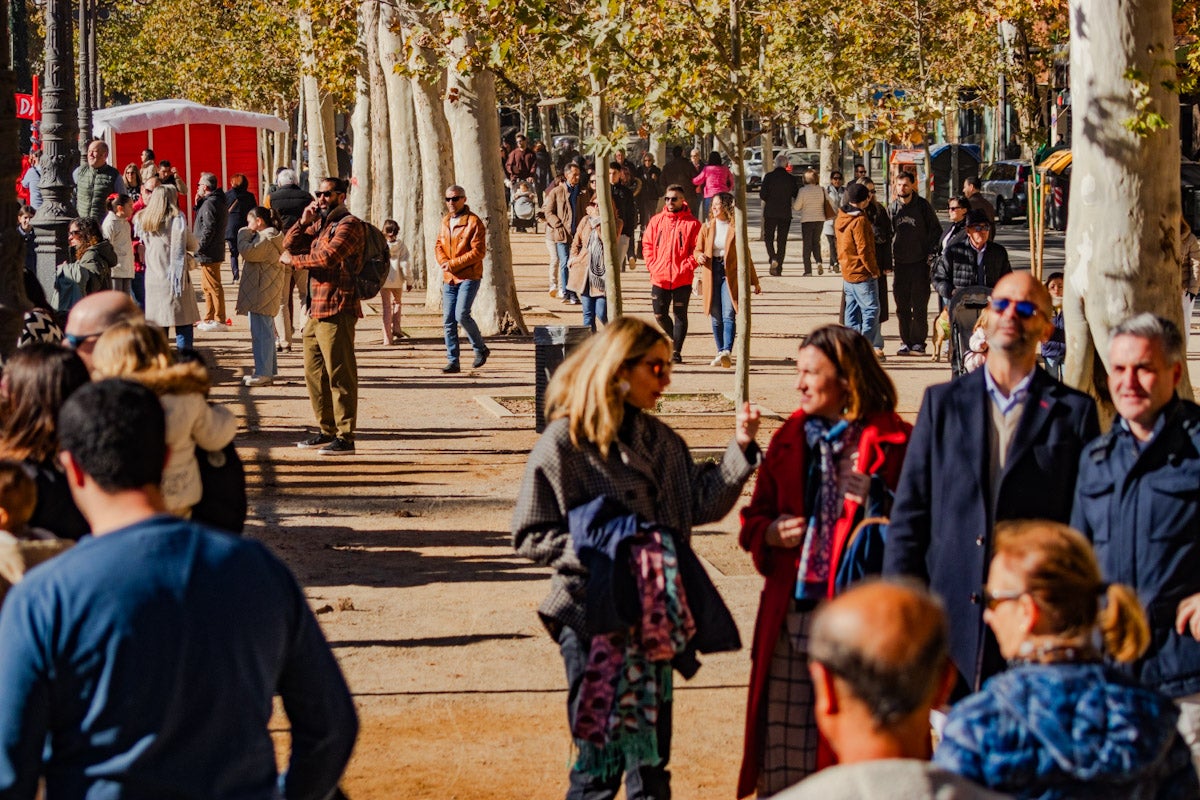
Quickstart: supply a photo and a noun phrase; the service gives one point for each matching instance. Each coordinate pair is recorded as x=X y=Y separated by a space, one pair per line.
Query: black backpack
x=376 y=262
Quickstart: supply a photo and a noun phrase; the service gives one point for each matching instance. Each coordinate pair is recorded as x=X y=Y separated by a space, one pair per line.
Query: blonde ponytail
x=1123 y=624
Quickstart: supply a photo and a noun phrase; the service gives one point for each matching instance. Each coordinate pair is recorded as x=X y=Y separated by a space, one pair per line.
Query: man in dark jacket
x=1002 y=442
x=239 y=202
x=1137 y=501
x=209 y=229
x=626 y=208
x=679 y=170
x=95 y=181
x=915 y=233
x=971 y=261
x=778 y=191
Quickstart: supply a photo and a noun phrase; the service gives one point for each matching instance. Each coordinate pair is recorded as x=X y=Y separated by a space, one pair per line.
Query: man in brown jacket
x=566 y=205
x=856 y=254
x=461 y=245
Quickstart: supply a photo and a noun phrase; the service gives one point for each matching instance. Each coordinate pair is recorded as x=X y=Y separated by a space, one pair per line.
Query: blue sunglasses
x=1025 y=308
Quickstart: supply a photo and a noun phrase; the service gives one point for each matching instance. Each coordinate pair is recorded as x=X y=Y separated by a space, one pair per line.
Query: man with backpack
x=329 y=242
x=461 y=246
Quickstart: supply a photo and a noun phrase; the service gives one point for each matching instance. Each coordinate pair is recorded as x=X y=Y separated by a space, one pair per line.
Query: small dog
x=941 y=333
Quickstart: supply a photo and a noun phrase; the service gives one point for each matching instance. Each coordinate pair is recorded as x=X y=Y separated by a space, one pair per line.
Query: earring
x=623 y=387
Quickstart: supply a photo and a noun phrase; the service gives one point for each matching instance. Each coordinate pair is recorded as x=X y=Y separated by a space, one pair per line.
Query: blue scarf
x=828 y=439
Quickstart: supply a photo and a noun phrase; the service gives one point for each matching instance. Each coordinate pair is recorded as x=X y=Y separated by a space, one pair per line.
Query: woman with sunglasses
x=1062 y=722
x=602 y=442
x=812 y=528
x=91 y=271
x=164 y=233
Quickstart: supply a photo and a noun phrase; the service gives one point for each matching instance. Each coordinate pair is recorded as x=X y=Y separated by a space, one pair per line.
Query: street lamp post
x=59 y=155
x=86 y=100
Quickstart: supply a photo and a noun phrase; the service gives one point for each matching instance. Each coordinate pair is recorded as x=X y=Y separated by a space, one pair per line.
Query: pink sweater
x=714 y=180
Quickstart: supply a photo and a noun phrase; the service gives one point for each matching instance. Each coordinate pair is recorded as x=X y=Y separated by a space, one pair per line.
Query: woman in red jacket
x=815 y=524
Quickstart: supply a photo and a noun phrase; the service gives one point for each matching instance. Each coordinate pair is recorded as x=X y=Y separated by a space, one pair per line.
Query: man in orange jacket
x=668 y=247
x=461 y=246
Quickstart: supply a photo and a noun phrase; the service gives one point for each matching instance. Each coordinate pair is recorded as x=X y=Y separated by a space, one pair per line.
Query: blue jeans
x=262 y=342
x=564 y=255
x=456 y=310
x=184 y=336
x=594 y=308
x=862 y=308
x=643 y=783
x=724 y=323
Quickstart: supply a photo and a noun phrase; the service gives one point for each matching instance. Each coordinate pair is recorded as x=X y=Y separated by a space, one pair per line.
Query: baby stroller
x=524 y=208
x=965 y=306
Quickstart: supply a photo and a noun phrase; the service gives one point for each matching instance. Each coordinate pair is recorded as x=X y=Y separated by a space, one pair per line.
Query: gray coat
x=163 y=308
x=655 y=477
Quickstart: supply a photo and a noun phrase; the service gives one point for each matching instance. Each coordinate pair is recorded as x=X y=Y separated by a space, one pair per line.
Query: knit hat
x=856 y=193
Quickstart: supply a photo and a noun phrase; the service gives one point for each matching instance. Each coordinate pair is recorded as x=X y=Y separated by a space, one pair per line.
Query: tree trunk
x=407 y=201
x=362 y=183
x=608 y=217
x=741 y=390
x=472 y=114
x=1123 y=240
x=318 y=111
x=380 y=133
x=437 y=171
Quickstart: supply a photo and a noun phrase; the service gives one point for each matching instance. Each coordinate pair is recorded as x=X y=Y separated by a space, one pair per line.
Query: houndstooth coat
x=654 y=476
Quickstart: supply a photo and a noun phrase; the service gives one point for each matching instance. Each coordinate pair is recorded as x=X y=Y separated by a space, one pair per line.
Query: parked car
x=1004 y=185
x=752 y=158
x=801 y=160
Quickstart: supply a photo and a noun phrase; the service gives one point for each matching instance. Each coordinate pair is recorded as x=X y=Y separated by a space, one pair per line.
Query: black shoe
x=481 y=358
x=677 y=358
x=776 y=271
x=451 y=368
x=904 y=350
x=320 y=440
x=338 y=447
x=918 y=349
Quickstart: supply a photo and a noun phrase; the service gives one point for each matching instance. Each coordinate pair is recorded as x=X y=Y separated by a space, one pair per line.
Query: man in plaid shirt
x=328 y=242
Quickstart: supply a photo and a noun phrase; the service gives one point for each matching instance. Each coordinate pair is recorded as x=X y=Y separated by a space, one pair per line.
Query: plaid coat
x=654 y=477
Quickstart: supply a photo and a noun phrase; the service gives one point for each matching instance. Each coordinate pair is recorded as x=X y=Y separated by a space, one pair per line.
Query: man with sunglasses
x=460 y=248
x=973 y=260
x=92 y=316
x=669 y=249
x=328 y=242
x=1002 y=442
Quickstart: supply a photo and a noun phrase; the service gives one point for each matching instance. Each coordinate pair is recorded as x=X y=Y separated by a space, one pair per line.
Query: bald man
x=879 y=664
x=1000 y=443
x=95 y=314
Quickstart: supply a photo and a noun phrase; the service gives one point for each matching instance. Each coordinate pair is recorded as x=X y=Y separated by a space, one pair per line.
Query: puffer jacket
x=92 y=272
x=211 y=215
x=264 y=280
x=1052 y=731
x=191 y=423
x=668 y=246
x=855 y=246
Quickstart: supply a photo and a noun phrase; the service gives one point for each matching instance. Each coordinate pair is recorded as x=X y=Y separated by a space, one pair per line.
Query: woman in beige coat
x=716 y=254
x=261 y=289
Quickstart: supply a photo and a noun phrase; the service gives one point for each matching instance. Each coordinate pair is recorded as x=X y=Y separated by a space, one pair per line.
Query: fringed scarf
x=828 y=439
x=629 y=673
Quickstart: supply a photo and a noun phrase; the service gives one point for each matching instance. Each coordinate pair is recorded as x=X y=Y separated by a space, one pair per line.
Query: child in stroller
x=524 y=207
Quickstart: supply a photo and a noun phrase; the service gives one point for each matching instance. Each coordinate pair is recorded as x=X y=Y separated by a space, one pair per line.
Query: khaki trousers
x=331 y=373
x=214 y=293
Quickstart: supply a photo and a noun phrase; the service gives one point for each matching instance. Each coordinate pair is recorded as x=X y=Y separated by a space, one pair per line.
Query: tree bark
x=608 y=217
x=381 y=132
x=407 y=201
x=437 y=170
x=362 y=183
x=471 y=112
x=741 y=390
x=1123 y=242
x=318 y=111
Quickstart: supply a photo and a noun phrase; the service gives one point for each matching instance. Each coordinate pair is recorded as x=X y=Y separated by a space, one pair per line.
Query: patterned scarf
x=828 y=439
x=629 y=672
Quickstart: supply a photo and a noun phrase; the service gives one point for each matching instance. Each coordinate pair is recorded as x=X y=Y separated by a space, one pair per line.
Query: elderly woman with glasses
x=609 y=485
x=91 y=271
x=1062 y=722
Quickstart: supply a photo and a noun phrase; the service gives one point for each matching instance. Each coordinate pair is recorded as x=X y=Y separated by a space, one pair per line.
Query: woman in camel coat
x=716 y=254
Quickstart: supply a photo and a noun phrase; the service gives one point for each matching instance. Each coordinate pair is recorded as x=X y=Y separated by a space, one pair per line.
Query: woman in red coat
x=814 y=525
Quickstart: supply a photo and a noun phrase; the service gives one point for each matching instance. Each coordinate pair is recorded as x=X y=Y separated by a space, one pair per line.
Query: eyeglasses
x=324 y=194
x=658 y=368
x=1024 y=308
x=74 y=340
x=455 y=199
x=993 y=599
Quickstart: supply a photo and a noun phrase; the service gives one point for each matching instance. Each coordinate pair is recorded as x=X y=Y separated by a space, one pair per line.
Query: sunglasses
x=993 y=599
x=324 y=194
x=75 y=340
x=954 y=208
x=455 y=199
x=980 y=227
x=670 y=198
x=1024 y=308
x=658 y=368
x=835 y=177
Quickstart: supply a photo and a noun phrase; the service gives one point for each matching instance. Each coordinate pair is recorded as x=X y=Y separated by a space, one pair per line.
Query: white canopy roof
x=161 y=113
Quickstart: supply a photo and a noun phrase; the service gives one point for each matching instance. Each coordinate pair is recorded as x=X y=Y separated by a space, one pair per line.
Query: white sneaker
x=209 y=326
x=716 y=362
x=258 y=380
x=726 y=362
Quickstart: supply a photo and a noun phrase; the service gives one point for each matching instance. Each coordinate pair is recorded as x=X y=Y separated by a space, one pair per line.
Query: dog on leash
x=941 y=333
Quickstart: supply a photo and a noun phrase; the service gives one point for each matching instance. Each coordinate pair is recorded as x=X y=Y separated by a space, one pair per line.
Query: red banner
x=25 y=107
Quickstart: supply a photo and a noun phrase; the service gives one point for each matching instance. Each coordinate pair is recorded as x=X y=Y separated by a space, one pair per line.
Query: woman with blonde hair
x=164 y=233
x=813 y=527
x=604 y=449
x=139 y=351
x=1061 y=723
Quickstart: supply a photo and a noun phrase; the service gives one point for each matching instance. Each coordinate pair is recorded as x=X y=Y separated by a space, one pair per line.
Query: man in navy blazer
x=1000 y=443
